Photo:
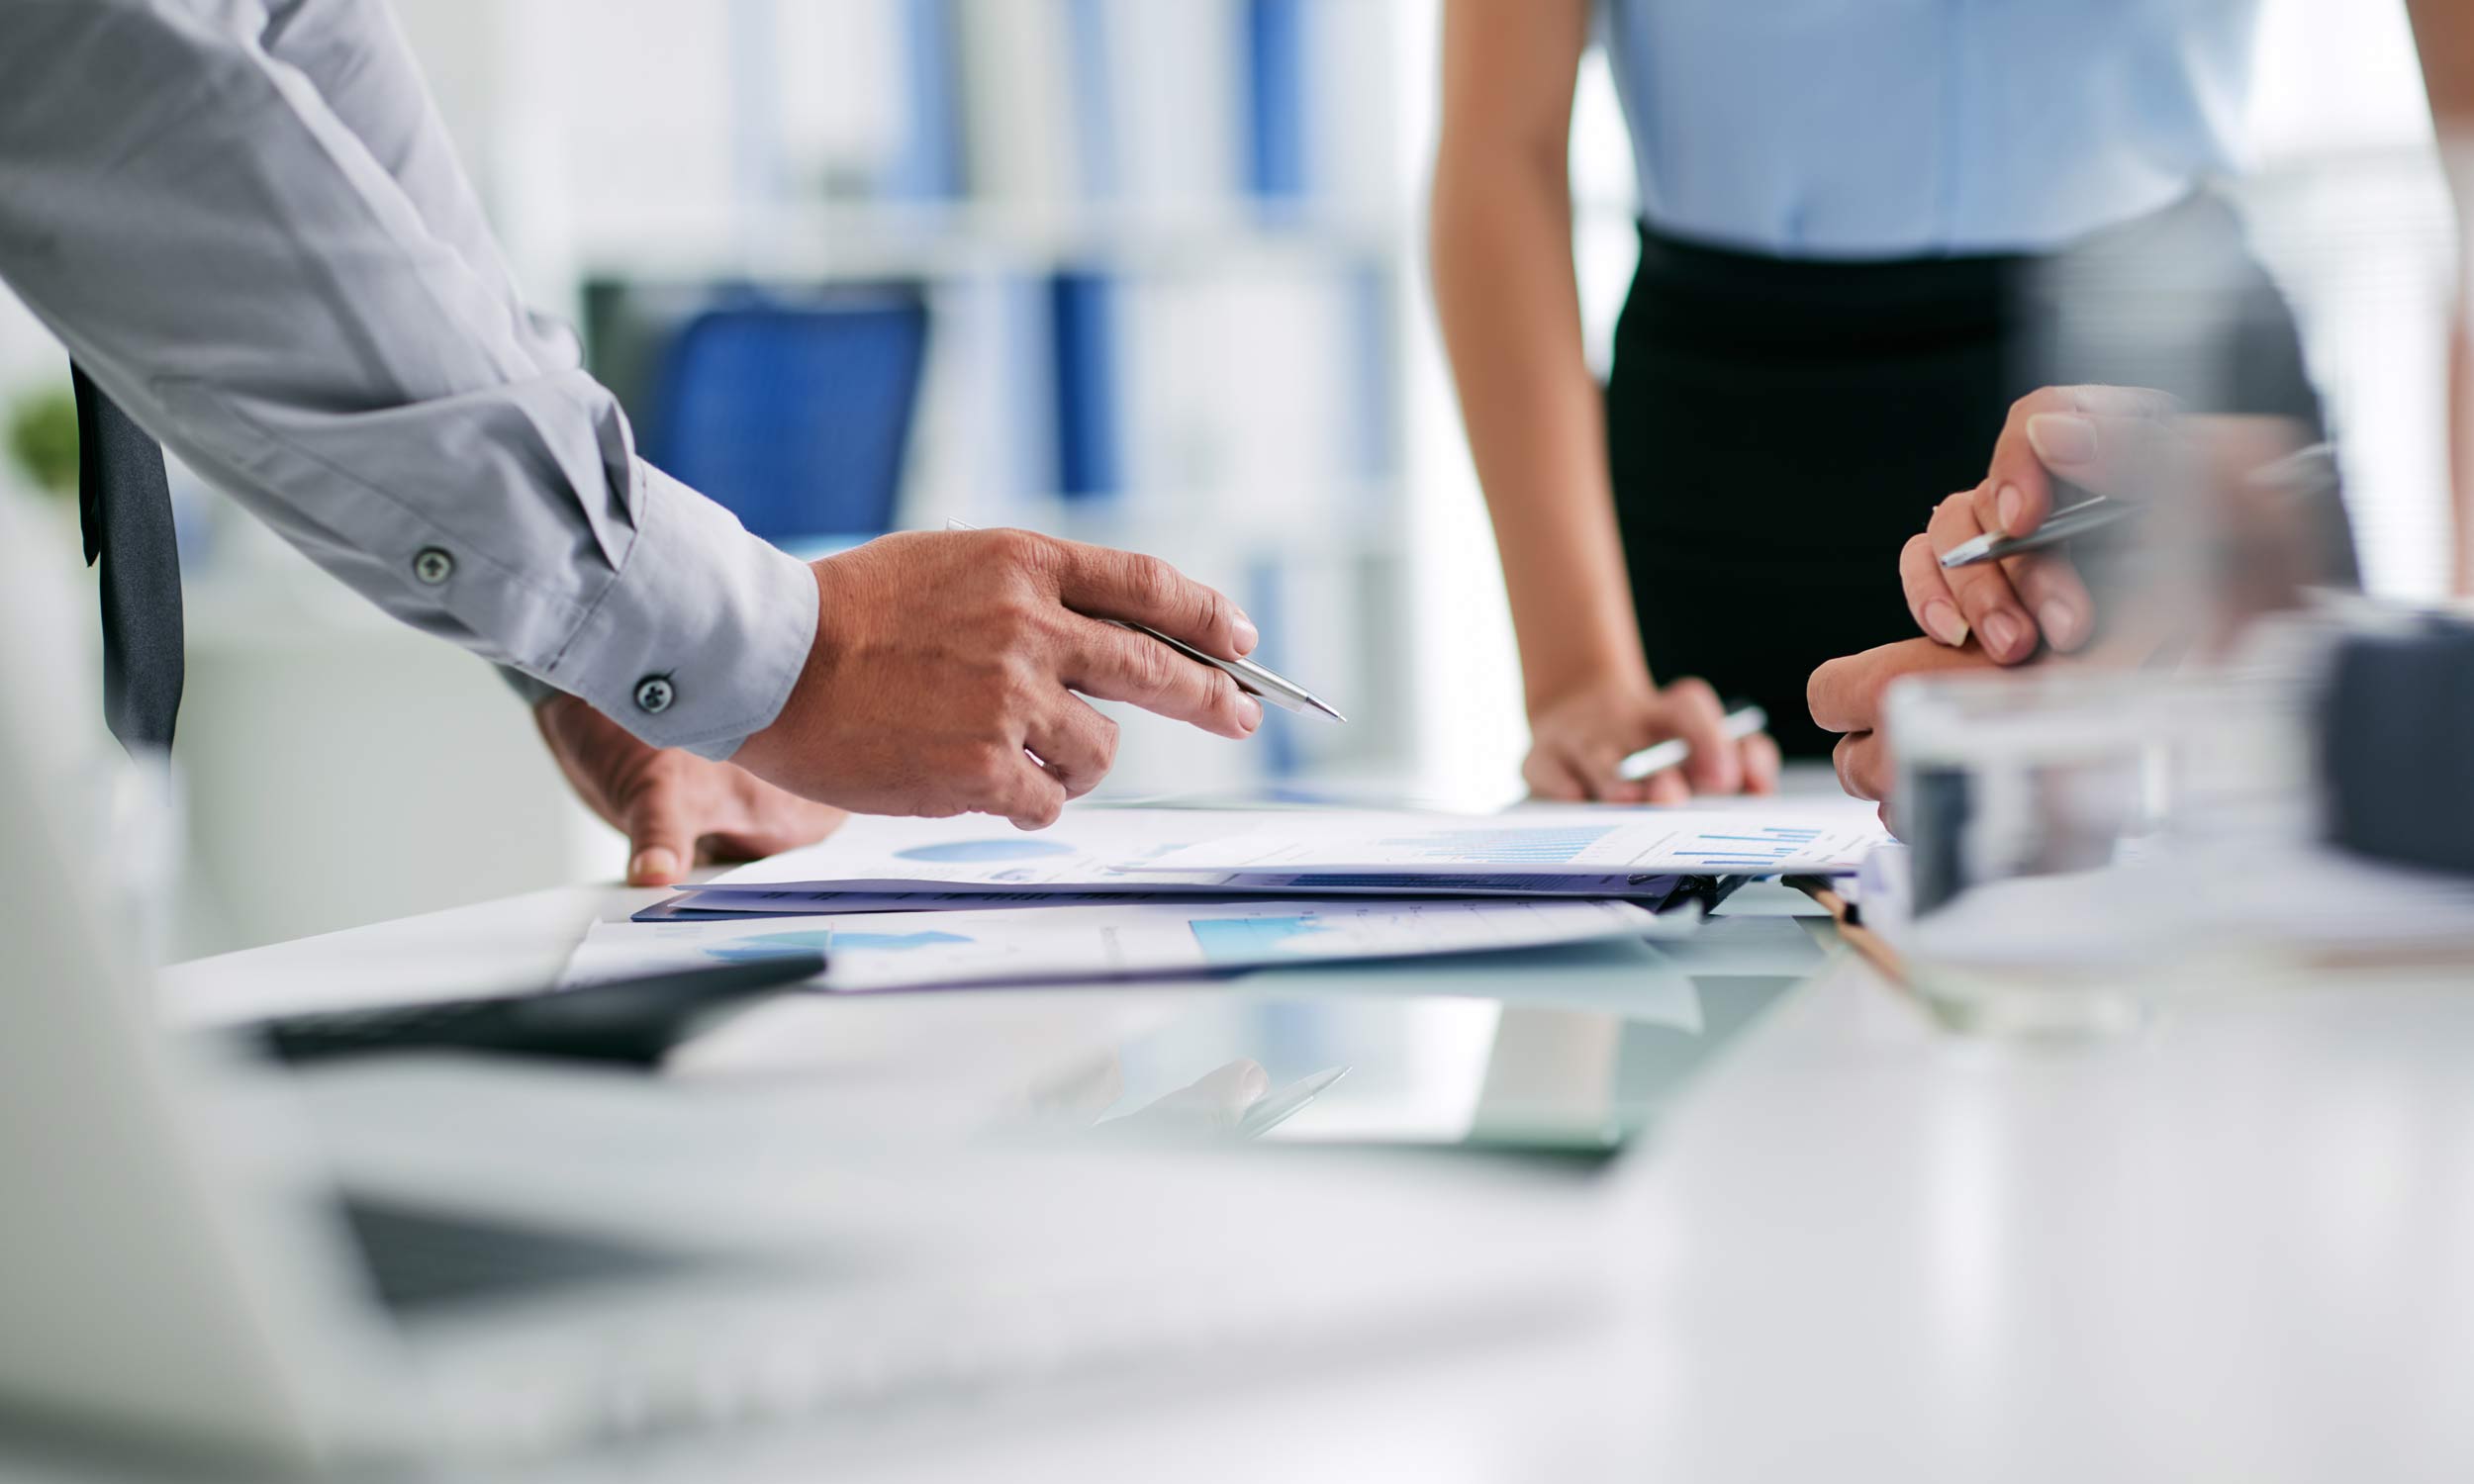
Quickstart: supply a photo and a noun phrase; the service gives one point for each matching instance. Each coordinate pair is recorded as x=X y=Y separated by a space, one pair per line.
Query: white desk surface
x=2240 y=1246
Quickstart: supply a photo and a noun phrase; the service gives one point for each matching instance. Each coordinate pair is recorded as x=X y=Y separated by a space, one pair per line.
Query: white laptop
x=176 y=1267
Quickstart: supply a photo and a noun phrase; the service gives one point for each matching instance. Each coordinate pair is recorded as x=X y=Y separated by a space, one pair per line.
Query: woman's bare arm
x=1510 y=311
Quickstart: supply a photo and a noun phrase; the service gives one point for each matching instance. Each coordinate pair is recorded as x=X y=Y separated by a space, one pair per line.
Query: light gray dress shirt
x=246 y=221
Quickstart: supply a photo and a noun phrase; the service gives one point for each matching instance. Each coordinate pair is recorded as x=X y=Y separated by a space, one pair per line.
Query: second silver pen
x=1674 y=751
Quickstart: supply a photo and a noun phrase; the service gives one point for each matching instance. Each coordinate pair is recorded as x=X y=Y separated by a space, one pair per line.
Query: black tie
x=125 y=505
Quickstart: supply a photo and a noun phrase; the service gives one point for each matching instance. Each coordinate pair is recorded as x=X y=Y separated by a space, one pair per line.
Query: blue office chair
x=795 y=417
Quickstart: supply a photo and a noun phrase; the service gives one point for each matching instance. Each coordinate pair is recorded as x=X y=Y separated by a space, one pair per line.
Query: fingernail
x=2009 y=507
x=1247 y=635
x=2061 y=437
x=1249 y=712
x=1942 y=619
x=658 y=860
x=2061 y=623
x=2003 y=635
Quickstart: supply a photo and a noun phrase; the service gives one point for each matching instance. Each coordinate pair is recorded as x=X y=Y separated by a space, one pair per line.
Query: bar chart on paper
x=1750 y=848
x=1765 y=840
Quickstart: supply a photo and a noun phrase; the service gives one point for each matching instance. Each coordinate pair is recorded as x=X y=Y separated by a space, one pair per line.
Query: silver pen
x=1658 y=757
x=2062 y=525
x=1251 y=678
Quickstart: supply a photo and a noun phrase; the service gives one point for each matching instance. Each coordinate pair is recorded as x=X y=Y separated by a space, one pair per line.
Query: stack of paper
x=1642 y=855
x=1144 y=892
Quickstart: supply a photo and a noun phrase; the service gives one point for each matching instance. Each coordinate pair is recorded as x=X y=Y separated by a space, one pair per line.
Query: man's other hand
x=945 y=667
x=1846 y=698
x=677 y=809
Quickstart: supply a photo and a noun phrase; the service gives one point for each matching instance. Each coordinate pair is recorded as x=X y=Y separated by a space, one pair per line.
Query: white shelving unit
x=1257 y=339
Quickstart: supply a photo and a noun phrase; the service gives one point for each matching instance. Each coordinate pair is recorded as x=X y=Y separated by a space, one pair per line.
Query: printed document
x=1121 y=850
x=1077 y=944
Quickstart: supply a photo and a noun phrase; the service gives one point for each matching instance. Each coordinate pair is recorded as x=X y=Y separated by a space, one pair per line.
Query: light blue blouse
x=1867 y=129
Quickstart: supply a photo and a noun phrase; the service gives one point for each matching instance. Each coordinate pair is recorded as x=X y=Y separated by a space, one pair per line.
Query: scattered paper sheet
x=1075 y=944
x=709 y=904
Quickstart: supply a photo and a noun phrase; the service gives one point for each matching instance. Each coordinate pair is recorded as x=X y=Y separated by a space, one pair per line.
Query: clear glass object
x=2064 y=827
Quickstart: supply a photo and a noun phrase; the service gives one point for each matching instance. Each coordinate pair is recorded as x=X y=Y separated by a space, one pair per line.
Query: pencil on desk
x=1851 y=927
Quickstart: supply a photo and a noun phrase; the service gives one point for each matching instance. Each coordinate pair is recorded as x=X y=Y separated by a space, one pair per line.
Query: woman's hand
x=1579 y=740
x=2120 y=442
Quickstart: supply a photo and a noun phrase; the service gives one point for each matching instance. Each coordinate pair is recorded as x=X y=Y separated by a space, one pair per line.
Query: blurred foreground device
x=2397 y=745
x=634 y=1022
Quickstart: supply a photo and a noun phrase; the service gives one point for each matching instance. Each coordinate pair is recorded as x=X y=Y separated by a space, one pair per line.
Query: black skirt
x=1777 y=429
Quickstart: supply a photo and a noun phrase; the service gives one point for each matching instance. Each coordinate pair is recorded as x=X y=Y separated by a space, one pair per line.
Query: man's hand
x=2120 y=443
x=676 y=807
x=1577 y=742
x=2242 y=539
x=1846 y=694
x=1846 y=697
x=945 y=664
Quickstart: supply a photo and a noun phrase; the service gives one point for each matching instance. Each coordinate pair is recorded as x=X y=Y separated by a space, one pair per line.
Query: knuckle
x=1022 y=610
x=1015 y=548
x=1215 y=614
x=1153 y=582
x=1150 y=667
x=990 y=765
x=1020 y=682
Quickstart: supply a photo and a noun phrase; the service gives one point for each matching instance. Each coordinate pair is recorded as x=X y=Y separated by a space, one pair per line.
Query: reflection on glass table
x=1433 y=1059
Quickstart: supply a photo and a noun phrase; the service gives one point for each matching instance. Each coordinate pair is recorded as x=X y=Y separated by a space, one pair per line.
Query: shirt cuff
x=697 y=640
x=532 y=691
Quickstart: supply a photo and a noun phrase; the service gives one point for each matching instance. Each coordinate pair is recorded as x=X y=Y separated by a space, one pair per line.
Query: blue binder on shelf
x=1276 y=101
x=795 y=417
x=1083 y=320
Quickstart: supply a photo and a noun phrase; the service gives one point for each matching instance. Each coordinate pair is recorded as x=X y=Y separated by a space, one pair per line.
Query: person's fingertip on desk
x=676 y=809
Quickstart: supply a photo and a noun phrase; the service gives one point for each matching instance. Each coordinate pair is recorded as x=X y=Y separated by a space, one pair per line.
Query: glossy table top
x=2240 y=1244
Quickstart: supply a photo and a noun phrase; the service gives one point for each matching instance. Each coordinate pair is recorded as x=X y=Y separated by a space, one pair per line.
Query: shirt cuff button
x=654 y=694
x=432 y=566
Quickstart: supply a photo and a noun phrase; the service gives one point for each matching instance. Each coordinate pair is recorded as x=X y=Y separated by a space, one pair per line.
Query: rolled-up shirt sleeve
x=228 y=260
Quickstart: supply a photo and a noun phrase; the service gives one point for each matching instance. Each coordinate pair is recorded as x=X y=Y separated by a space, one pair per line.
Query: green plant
x=42 y=438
